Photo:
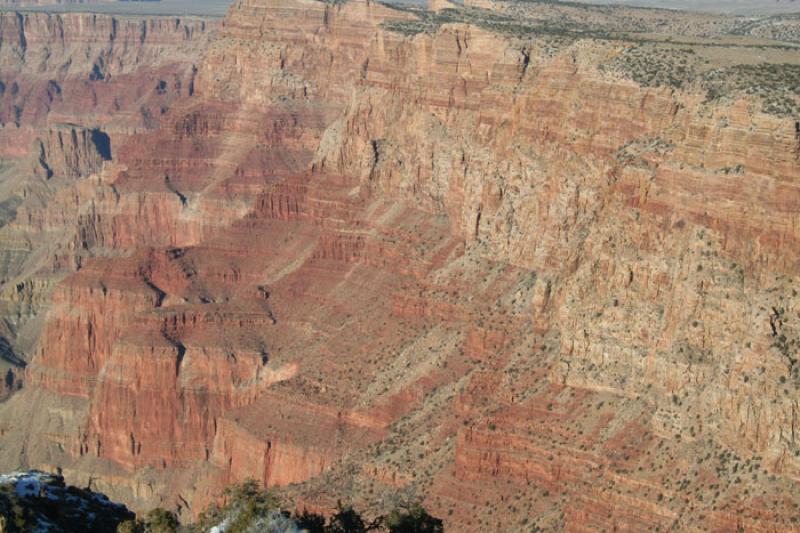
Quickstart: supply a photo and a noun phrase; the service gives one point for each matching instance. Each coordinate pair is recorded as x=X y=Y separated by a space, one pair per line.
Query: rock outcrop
x=36 y=501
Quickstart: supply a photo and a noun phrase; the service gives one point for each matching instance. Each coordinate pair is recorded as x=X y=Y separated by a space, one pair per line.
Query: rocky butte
x=534 y=263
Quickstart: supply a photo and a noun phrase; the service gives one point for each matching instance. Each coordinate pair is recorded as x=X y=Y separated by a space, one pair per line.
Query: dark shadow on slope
x=7 y=354
x=102 y=142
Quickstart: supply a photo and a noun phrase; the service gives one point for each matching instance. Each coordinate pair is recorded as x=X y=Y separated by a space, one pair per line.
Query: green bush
x=247 y=507
x=311 y=522
x=415 y=519
x=160 y=521
x=130 y=526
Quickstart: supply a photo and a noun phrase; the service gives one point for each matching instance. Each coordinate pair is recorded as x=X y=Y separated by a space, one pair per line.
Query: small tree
x=246 y=503
x=245 y=507
x=160 y=521
x=310 y=522
x=130 y=526
x=413 y=519
x=347 y=520
x=250 y=493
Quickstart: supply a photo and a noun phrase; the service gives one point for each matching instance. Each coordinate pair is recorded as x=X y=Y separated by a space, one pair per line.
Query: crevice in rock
x=785 y=345
x=160 y=295
x=190 y=89
x=53 y=91
x=178 y=346
x=264 y=293
x=96 y=74
x=173 y=189
x=7 y=354
x=375 y=158
x=526 y=61
x=23 y=41
x=43 y=160
x=102 y=142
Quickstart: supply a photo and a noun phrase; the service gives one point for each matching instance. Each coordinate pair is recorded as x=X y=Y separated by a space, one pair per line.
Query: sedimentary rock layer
x=456 y=263
x=73 y=87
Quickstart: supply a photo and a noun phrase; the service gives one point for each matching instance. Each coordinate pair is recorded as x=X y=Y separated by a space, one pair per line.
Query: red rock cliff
x=454 y=262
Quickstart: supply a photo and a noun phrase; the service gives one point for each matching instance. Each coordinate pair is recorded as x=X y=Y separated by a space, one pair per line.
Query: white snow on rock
x=77 y=506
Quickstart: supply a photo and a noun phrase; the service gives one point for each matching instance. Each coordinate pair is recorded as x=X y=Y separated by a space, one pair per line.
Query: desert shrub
x=777 y=86
x=130 y=526
x=347 y=520
x=655 y=66
x=246 y=506
x=311 y=522
x=160 y=521
x=250 y=509
x=414 y=519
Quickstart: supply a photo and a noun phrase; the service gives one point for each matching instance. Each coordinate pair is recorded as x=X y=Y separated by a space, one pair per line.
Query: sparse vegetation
x=248 y=508
x=431 y=21
x=655 y=66
x=777 y=86
x=647 y=60
x=156 y=521
x=36 y=501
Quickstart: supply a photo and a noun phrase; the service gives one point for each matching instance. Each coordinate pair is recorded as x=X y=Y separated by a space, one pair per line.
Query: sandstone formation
x=460 y=263
x=73 y=87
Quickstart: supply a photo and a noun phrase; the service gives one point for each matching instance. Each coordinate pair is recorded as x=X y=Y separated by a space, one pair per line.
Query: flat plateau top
x=218 y=8
x=208 y=8
x=733 y=7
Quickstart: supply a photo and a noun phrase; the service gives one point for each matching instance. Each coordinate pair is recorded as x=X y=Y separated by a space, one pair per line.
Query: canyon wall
x=73 y=87
x=459 y=264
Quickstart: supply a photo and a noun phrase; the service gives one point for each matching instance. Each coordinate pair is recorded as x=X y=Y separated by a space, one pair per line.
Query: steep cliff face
x=72 y=88
x=470 y=265
x=660 y=228
x=71 y=152
x=87 y=69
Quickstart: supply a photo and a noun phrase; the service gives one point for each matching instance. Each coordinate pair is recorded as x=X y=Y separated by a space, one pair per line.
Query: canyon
x=459 y=254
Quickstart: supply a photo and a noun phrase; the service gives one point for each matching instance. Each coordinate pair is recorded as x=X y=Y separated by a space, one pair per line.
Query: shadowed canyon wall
x=459 y=264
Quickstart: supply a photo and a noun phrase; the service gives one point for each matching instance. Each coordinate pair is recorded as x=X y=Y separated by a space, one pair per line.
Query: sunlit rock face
x=455 y=263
